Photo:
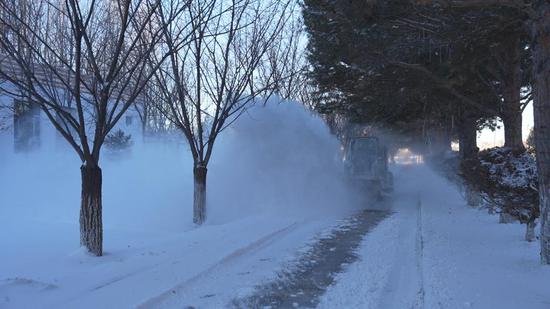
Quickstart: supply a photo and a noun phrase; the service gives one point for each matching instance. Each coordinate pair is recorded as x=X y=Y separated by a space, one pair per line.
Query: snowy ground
x=128 y=277
x=305 y=279
x=435 y=252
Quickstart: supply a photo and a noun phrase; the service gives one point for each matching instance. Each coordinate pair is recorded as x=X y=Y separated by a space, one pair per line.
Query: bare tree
x=213 y=73
x=286 y=63
x=83 y=64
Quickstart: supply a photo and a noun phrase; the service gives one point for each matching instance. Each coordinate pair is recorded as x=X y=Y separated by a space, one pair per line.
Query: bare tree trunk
x=199 y=198
x=143 y=132
x=511 y=111
x=473 y=196
x=512 y=130
x=447 y=140
x=530 y=230
x=541 y=104
x=444 y=141
x=506 y=218
x=468 y=155
x=91 y=226
x=438 y=141
x=468 y=137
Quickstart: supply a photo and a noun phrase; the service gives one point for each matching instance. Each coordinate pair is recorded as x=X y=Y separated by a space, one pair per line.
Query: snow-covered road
x=432 y=252
x=435 y=252
x=306 y=279
x=204 y=267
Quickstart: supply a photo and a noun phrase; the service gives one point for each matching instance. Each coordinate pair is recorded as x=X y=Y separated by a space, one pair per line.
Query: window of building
x=26 y=126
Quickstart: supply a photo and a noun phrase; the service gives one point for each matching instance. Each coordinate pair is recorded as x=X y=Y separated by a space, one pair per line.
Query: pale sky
x=488 y=138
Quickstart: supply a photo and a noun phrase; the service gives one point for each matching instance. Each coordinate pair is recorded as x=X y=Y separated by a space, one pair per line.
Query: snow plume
x=277 y=170
x=278 y=159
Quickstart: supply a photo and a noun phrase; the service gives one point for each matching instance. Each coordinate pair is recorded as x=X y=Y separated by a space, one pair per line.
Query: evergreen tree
x=407 y=66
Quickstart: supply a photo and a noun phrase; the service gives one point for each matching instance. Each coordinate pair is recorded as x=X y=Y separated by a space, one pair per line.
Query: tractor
x=366 y=164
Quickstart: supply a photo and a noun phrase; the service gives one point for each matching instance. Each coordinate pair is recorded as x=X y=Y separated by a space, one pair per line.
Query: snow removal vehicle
x=366 y=163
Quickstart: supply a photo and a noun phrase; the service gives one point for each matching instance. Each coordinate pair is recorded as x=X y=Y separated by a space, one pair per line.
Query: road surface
x=302 y=284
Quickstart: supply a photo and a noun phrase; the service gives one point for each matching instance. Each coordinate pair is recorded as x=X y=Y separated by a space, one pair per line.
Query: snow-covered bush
x=509 y=170
x=118 y=141
x=508 y=180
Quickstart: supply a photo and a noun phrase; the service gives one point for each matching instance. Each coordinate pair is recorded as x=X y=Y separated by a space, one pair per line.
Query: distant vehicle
x=366 y=162
x=406 y=157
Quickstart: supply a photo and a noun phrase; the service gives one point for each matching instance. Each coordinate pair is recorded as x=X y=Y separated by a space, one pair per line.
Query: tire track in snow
x=305 y=281
x=420 y=256
x=405 y=285
x=156 y=302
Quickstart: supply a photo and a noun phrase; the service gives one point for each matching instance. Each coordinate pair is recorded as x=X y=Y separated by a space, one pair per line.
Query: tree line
x=196 y=65
x=440 y=69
